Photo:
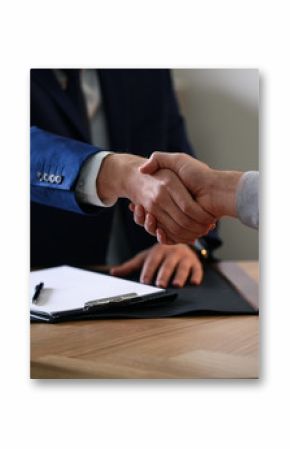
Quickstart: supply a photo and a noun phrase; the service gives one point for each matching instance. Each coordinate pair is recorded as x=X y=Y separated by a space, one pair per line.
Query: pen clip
x=110 y=300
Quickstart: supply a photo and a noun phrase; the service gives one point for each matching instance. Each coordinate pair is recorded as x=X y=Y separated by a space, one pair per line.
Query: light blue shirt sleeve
x=248 y=199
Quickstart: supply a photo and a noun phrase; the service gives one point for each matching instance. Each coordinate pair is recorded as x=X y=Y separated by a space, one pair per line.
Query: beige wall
x=221 y=108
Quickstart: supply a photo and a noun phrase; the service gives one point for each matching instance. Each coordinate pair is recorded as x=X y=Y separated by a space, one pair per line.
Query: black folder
x=216 y=295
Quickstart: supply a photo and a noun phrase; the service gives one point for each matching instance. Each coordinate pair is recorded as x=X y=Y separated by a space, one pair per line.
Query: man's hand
x=164 y=262
x=163 y=195
x=214 y=190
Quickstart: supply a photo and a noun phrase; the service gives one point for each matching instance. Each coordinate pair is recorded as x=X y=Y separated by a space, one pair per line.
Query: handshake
x=174 y=196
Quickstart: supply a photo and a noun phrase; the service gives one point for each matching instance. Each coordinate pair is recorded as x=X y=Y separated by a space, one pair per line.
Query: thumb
x=130 y=265
x=154 y=163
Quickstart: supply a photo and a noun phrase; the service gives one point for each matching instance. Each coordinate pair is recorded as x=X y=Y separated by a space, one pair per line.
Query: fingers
x=188 y=267
x=145 y=219
x=178 y=262
x=176 y=210
x=182 y=273
x=151 y=264
x=177 y=226
x=168 y=238
x=189 y=211
x=169 y=203
x=139 y=215
x=142 y=218
x=150 y=224
x=130 y=265
x=197 y=273
x=166 y=271
x=182 y=263
x=169 y=223
x=175 y=232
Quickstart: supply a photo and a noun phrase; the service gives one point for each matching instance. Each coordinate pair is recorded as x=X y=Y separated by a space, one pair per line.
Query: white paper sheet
x=67 y=288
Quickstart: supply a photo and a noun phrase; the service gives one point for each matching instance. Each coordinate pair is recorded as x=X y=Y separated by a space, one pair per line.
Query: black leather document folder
x=216 y=295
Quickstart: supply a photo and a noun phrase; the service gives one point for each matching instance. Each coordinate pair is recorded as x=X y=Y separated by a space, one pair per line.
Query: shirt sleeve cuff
x=86 y=187
x=248 y=199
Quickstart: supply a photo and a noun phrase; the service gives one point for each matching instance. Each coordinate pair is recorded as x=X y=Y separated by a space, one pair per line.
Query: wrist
x=107 y=181
x=223 y=186
x=130 y=175
x=115 y=176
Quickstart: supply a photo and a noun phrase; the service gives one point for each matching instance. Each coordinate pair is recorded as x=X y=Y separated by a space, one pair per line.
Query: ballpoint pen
x=38 y=289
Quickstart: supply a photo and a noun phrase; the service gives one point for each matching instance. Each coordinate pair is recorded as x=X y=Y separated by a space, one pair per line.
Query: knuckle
x=155 y=154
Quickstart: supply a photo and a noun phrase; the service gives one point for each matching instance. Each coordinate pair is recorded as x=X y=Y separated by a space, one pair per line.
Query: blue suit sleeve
x=55 y=164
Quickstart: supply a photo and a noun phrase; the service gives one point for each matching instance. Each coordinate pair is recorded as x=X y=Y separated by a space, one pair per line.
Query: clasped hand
x=163 y=196
x=172 y=206
x=213 y=191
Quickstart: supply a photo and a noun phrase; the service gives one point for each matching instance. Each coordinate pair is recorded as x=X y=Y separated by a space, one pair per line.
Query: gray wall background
x=221 y=109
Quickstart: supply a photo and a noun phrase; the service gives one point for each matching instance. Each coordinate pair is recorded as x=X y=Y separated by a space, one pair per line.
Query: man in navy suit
x=78 y=118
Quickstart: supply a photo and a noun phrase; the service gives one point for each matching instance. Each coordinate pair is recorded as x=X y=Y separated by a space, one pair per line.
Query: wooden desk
x=195 y=347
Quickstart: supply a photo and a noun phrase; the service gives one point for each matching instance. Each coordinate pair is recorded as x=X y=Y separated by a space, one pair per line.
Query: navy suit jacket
x=142 y=115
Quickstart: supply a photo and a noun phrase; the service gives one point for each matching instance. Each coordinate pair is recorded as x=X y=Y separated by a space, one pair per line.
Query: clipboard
x=74 y=294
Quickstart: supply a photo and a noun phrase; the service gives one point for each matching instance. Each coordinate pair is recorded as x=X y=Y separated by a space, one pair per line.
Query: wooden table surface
x=188 y=347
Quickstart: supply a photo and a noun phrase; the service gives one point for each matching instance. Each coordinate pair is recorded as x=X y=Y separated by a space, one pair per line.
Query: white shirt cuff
x=86 y=188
